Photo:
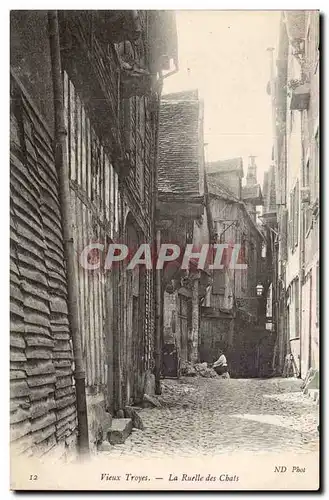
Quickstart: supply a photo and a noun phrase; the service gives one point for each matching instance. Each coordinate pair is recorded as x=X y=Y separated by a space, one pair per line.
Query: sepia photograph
x=164 y=250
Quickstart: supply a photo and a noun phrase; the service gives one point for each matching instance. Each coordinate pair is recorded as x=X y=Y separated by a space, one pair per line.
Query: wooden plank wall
x=139 y=185
x=135 y=194
x=149 y=321
x=95 y=211
x=140 y=178
x=43 y=409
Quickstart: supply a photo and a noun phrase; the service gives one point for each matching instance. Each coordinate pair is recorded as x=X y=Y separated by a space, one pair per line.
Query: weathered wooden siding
x=183 y=326
x=105 y=128
x=149 y=321
x=233 y=291
x=140 y=179
x=243 y=232
x=138 y=197
x=43 y=412
x=95 y=214
x=42 y=388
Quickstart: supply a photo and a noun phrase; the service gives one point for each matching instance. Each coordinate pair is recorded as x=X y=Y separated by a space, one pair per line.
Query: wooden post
x=117 y=319
x=158 y=298
x=65 y=203
x=195 y=320
x=157 y=236
x=109 y=328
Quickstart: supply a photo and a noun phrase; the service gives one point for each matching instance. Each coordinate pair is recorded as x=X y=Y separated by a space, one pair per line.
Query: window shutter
x=284 y=234
x=317 y=293
x=133 y=130
x=296 y=289
x=218 y=287
x=290 y=224
x=316 y=163
x=308 y=220
x=296 y=213
x=127 y=131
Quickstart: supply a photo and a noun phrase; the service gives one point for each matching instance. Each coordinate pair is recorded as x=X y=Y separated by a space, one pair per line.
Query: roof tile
x=179 y=144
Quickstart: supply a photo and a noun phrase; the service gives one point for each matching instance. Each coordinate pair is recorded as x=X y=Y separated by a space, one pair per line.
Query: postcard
x=164 y=250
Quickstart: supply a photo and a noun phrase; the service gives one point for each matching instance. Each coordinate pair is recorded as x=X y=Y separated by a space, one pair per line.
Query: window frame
x=317 y=288
x=294 y=217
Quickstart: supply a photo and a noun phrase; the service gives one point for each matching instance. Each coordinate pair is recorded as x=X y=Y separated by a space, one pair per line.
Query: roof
x=218 y=189
x=252 y=194
x=185 y=95
x=230 y=165
x=180 y=144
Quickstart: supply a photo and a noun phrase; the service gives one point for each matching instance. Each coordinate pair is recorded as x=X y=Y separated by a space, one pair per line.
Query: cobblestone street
x=214 y=416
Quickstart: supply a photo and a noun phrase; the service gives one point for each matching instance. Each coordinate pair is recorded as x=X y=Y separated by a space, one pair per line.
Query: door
x=133 y=333
x=113 y=339
x=183 y=312
x=131 y=323
x=135 y=320
x=135 y=339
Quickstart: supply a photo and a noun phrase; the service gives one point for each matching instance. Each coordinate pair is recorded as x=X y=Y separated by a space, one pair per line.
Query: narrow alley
x=164 y=244
x=208 y=417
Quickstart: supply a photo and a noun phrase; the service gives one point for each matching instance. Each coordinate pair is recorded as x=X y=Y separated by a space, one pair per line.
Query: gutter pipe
x=61 y=157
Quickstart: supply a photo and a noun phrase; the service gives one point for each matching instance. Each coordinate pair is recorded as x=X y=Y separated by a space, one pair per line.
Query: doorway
x=134 y=319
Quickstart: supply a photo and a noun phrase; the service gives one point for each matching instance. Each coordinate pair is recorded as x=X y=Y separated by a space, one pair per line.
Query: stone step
x=119 y=430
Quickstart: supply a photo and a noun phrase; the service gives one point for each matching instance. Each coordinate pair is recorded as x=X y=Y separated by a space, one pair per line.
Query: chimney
x=252 y=172
x=251 y=192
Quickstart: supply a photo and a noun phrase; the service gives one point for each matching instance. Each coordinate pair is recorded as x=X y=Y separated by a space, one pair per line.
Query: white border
x=4 y=197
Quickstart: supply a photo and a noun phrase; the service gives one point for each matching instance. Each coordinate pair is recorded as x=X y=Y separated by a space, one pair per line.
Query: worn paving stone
x=209 y=417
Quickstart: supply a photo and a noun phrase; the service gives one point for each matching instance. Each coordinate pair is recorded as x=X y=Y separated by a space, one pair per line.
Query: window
x=316 y=164
x=308 y=44
x=243 y=259
x=317 y=294
x=296 y=293
x=308 y=220
x=307 y=174
x=140 y=143
x=126 y=124
x=290 y=226
x=291 y=120
x=307 y=211
x=294 y=217
x=317 y=40
x=284 y=231
x=173 y=321
x=293 y=310
x=218 y=287
x=296 y=214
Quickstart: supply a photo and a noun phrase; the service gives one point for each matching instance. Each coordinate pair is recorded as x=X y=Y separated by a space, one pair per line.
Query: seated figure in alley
x=220 y=366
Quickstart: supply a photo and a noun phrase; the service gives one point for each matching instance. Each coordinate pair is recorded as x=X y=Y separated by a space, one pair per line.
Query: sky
x=223 y=55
